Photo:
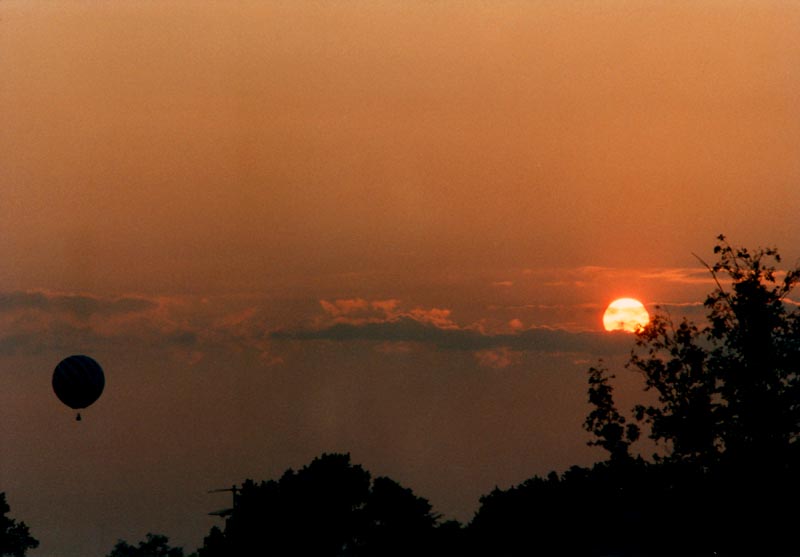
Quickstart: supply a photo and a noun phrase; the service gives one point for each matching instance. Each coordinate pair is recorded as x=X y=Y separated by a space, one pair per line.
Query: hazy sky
x=386 y=228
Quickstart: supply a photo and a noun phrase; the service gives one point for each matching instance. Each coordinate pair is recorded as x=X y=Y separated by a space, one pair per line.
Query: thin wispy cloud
x=498 y=358
x=680 y=275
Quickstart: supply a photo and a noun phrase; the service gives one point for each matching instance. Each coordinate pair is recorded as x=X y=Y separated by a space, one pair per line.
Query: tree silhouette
x=727 y=418
x=15 y=538
x=728 y=409
x=397 y=522
x=729 y=389
x=605 y=421
x=329 y=507
x=675 y=365
x=154 y=545
x=729 y=392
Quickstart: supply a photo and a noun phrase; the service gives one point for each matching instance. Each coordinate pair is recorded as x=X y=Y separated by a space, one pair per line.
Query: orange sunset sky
x=388 y=228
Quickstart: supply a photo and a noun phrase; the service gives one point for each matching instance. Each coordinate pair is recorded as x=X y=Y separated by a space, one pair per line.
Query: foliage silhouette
x=728 y=390
x=727 y=420
x=15 y=538
x=154 y=545
x=605 y=421
x=396 y=521
x=329 y=507
x=729 y=402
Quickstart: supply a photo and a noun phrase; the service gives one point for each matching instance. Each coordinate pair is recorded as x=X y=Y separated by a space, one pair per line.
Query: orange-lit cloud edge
x=38 y=320
x=34 y=320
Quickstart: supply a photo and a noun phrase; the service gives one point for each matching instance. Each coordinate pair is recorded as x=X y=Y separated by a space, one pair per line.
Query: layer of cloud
x=38 y=321
x=361 y=320
x=77 y=304
x=191 y=328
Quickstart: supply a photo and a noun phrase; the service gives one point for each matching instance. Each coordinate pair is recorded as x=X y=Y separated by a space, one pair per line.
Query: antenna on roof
x=226 y=512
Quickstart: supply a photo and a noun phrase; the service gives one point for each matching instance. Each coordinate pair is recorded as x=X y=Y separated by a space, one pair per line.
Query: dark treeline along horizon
x=724 y=481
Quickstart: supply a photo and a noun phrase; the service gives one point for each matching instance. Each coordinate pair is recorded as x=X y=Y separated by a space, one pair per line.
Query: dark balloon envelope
x=78 y=381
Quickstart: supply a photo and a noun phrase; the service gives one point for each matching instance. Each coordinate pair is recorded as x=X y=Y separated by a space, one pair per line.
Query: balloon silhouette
x=78 y=381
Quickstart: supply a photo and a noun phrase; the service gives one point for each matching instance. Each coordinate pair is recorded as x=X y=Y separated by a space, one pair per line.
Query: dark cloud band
x=406 y=329
x=73 y=303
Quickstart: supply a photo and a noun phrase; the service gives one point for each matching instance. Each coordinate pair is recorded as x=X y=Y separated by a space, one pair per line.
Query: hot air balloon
x=78 y=381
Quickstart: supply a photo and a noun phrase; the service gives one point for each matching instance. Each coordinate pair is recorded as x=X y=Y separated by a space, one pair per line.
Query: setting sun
x=625 y=314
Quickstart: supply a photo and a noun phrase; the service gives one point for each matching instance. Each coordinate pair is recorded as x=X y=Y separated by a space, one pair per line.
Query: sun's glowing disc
x=625 y=314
